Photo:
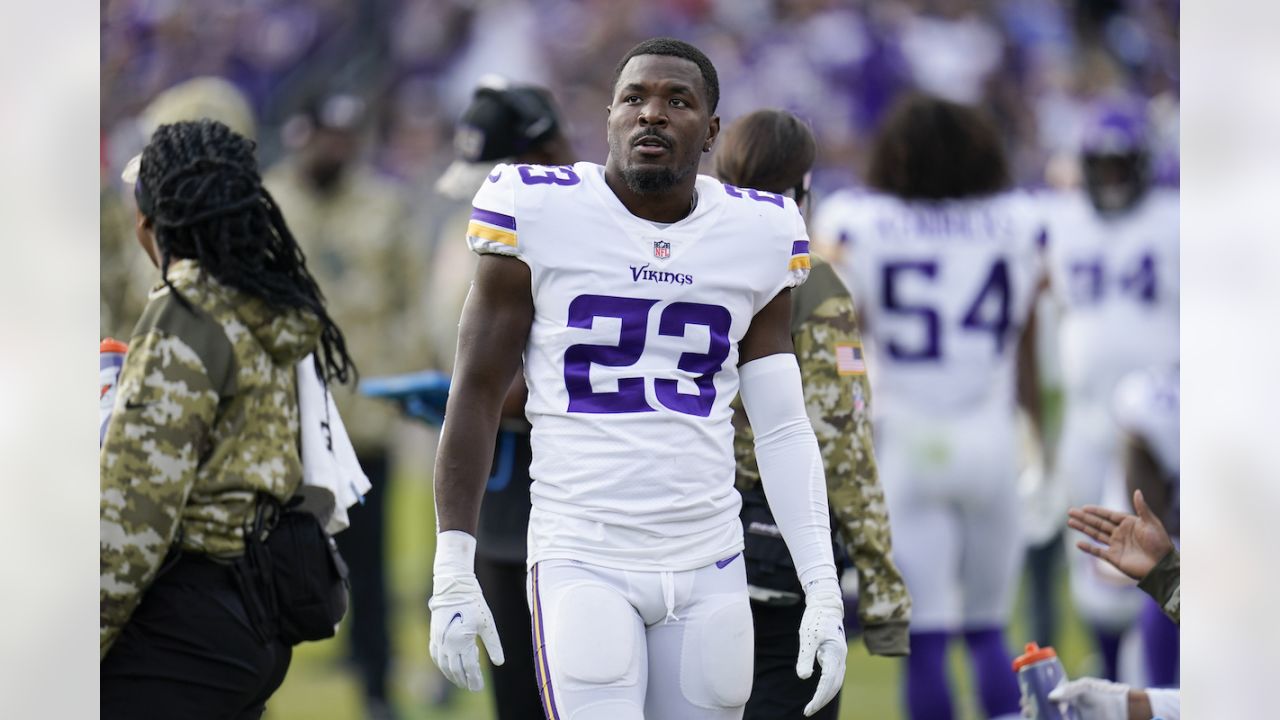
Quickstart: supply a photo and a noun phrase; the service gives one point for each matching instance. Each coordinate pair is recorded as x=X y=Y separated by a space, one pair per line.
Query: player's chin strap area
x=790 y=463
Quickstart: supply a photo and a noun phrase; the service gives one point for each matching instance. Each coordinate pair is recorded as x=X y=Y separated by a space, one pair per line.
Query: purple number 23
x=634 y=315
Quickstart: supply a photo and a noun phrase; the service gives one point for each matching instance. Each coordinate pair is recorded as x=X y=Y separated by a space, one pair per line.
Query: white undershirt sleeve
x=790 y=463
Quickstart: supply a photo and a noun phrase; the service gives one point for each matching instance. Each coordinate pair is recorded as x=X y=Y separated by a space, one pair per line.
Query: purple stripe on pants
x=540 y=655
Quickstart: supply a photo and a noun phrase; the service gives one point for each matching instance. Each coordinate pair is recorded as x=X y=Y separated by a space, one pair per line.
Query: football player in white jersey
x=1112 y=256
x=944 y=263
x=1146 y=410
x=643 y=297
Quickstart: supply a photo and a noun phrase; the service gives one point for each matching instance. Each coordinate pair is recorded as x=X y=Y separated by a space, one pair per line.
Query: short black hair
x=680 y=49
x=932 y=149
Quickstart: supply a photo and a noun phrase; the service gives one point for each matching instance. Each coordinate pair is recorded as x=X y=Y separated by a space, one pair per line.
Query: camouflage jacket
x=370 y=263
x=1164 y=584
x=206 y=416
x=838 y=399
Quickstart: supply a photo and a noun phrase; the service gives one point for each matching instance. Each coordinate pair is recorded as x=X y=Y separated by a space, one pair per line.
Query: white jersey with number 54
x=632 y=359
x=944 y=289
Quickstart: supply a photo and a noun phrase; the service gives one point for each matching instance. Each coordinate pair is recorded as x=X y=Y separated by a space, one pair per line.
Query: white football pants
x=622 y=645
x=951 y=488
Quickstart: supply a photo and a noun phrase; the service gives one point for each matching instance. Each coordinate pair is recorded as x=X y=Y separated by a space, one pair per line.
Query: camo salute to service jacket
x=206 y=416
x=838 y=398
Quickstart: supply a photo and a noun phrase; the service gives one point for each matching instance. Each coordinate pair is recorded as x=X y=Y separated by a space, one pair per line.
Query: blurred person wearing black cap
x=354 y=226
x=502 y=124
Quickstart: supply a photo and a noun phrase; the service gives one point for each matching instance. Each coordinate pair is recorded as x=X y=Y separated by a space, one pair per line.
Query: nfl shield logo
x=661 y=249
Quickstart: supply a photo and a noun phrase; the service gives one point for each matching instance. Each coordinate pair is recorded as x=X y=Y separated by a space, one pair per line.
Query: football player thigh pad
x=707 y=652
x=717 y=653
x=595 y=636
x=588 y=643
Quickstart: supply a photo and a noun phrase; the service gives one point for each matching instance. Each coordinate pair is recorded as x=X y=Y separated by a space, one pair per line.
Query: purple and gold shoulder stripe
x=490 y=231
x=799 y=264
x=799 y=255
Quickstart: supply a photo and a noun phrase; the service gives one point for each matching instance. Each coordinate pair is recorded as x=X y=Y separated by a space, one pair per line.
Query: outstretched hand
x=1132 y=543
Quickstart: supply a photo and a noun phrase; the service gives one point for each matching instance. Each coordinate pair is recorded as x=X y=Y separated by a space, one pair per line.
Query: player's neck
x=671 y=206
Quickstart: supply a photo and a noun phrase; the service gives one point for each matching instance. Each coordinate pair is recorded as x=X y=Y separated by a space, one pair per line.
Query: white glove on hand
x=822 y=636
x=459 y=613
x=1094 y=698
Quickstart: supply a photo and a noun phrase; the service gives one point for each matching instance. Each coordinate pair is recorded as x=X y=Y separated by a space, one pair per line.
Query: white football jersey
x=1116 y=280
x=944 y=289
x=632 y=360
x=1146 y=406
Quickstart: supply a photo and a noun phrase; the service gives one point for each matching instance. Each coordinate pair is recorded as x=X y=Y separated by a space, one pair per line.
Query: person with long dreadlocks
x=205 y=421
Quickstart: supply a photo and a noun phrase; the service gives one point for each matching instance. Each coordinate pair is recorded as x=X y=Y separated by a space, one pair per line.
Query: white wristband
x=455 y=554
x=823 y=586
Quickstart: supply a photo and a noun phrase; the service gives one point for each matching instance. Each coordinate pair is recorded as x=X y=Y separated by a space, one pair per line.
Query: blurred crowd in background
x=1037 y=65
x=837 y=63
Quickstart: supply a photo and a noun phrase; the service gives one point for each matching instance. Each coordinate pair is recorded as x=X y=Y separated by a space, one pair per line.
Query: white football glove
x=1094 y=698
x=459 y=613
x=822 y=637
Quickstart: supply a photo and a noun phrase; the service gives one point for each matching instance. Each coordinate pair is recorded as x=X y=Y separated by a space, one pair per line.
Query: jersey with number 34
x=632 y=358
x=1116 y=280
x=945 y=288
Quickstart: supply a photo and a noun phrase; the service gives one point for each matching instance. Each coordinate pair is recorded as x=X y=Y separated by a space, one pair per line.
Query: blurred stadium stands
x=838 y=63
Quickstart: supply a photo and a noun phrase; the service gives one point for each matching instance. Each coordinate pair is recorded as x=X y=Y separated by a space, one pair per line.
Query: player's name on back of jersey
x=644 y=274
x=946 y=222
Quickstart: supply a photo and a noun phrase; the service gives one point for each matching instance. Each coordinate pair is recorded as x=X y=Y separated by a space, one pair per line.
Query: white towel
x=328 y=460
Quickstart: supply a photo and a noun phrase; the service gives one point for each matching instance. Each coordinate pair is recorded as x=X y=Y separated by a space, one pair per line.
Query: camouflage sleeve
x=1163 y=584
x=164 y=408
x=838 y=396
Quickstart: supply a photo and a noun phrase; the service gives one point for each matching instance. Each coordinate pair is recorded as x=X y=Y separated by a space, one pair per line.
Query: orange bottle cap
x=1034 y=654
x=112 y=345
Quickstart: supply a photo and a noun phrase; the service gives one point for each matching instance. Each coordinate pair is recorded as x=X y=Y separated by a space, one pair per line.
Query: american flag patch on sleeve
x=849 y=359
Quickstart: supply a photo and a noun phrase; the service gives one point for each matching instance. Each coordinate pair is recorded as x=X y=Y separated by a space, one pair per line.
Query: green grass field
x=321 y=686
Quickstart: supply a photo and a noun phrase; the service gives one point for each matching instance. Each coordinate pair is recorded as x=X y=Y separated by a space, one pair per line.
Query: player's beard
x=644 y=181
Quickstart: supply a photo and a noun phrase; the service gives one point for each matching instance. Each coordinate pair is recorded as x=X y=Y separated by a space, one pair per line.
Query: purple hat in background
x=502 y=122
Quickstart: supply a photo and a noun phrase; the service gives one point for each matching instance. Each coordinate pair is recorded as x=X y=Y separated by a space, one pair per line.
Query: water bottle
x=1039 y=672
x=110 y=359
